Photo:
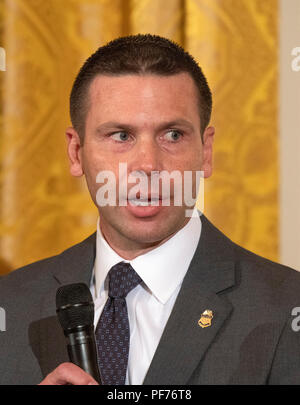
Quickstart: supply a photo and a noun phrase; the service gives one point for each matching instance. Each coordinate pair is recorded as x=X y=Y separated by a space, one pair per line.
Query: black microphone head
x=74 y=306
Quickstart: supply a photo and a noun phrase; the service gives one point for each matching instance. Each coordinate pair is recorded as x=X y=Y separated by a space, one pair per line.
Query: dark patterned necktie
x=112 y=332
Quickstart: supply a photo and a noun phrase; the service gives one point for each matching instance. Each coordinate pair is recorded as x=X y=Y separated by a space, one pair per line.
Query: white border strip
x=289 y=128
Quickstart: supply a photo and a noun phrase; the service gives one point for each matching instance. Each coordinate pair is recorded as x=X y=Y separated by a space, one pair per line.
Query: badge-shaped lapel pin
x=206 y=318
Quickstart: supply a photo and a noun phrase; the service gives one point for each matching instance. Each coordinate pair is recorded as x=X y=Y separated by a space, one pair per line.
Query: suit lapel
x=76 y=264
x=184 y=343
x=48 y=342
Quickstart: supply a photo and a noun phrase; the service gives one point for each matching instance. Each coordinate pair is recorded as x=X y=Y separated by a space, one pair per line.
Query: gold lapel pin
x=206 y=318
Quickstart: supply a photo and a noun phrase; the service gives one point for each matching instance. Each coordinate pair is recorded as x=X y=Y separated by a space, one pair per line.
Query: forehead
x=148 y=95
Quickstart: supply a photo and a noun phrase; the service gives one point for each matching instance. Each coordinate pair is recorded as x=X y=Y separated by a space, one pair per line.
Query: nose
x=146 y=156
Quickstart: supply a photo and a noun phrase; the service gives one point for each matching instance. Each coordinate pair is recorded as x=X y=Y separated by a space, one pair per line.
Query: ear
x=74 y=152
x=208 y=138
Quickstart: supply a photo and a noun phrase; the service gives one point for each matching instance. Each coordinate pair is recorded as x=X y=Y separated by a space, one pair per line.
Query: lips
x=144 y=208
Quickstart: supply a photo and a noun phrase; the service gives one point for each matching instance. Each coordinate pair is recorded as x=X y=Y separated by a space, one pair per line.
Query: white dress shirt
x=150 y=303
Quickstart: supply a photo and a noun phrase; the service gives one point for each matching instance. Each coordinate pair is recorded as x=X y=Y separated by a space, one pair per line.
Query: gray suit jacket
x=250 y=340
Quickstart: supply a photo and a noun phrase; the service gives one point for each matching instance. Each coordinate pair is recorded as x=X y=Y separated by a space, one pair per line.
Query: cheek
x=97 y=165
x=192 y=159
x=93 y=160
x=192 y=162
x=197 y=158
x=91 y=167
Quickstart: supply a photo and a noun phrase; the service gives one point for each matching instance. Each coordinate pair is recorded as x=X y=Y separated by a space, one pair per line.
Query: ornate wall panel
x=236 y=43
x=43 y=209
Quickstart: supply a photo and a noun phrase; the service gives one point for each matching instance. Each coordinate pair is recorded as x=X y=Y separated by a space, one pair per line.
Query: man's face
x=151 y=123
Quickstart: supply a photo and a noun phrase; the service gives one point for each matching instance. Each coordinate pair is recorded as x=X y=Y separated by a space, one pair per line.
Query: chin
x=145 y=230
x=147 y=240
x=150 y=233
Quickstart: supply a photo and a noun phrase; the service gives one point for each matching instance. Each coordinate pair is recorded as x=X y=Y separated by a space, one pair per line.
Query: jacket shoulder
x=41 y=269
x=251 y=267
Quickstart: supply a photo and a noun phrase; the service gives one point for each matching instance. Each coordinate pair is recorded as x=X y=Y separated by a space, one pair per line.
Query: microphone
x=75 y=311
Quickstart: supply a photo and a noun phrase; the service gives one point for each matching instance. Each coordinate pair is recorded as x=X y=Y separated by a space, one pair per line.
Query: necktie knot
x=122 y=279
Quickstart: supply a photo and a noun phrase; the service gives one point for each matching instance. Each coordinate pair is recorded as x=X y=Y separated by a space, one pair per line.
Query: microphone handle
x=83 y=352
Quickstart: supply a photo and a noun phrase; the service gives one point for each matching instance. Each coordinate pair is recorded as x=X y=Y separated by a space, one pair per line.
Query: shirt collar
x=161 y=269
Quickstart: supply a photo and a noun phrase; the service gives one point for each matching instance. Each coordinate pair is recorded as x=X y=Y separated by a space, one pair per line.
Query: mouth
x=145 y=207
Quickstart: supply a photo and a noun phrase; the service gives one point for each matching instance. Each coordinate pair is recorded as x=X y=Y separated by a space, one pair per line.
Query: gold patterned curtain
x=43 y=210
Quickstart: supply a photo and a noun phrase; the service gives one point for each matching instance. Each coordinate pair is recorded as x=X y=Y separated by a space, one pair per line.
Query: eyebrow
x=167 y=124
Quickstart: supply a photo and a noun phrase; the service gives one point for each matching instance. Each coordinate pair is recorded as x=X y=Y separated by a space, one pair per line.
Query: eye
x=173 y=135
x=120 y=136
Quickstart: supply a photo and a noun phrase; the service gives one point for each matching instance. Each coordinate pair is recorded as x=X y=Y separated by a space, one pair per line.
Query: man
x=203 y=310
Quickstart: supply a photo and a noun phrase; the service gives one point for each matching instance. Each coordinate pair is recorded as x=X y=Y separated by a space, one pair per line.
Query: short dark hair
x=137 y=54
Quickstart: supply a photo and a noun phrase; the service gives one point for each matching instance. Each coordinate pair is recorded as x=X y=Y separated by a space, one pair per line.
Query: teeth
x=143 y=203
x=139 y=203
